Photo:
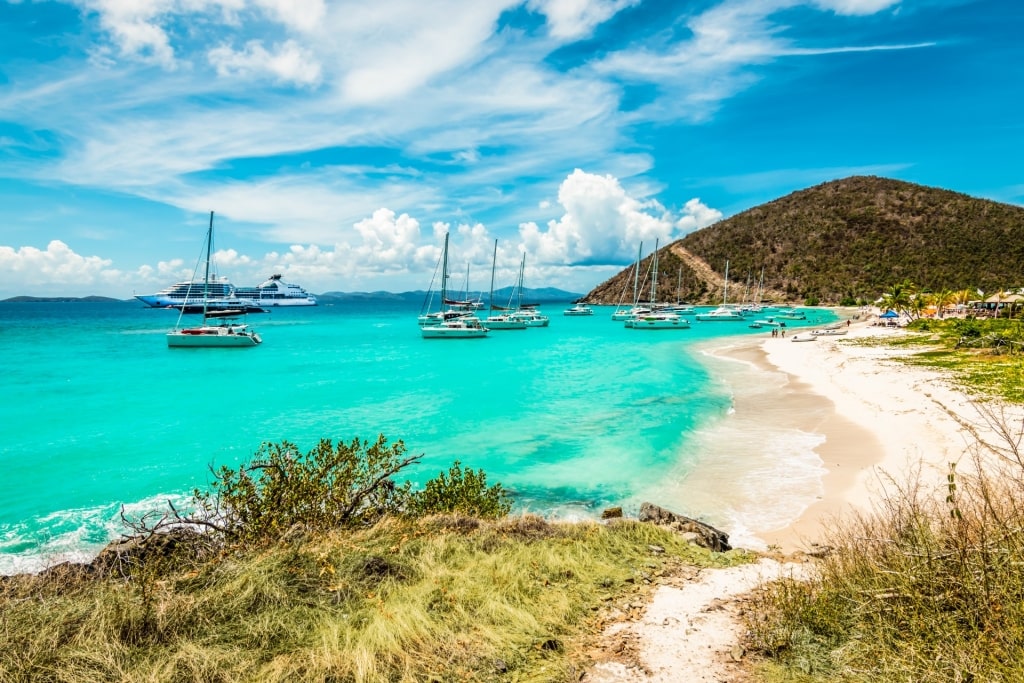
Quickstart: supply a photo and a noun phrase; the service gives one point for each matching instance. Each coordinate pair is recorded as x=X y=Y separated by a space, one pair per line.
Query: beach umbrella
x=889 y=314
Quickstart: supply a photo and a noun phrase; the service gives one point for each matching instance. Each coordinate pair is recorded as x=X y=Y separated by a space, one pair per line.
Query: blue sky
x=338 y=141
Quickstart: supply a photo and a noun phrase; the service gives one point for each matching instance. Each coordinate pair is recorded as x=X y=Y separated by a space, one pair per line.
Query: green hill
x=850 y=238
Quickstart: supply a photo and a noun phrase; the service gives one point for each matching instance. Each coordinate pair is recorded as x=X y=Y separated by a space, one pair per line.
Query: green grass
x=984 y=357
x=442 y=599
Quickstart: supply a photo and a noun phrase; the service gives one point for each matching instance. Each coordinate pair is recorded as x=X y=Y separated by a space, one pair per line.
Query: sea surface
x=99 y=414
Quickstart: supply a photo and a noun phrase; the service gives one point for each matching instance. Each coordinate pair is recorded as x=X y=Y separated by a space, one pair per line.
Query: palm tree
x=899 y=297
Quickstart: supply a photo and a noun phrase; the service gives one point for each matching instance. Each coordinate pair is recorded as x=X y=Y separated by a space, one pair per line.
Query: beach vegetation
x=284 y=490
x=439 y=598
x=984 y=356
x=925 y=587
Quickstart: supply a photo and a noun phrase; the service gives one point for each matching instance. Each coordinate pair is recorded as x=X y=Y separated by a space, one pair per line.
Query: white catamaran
x=219 y=328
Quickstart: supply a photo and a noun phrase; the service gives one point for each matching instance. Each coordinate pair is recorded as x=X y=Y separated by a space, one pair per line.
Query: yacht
x=465 y=327
x=579 y=309
x=722 y=313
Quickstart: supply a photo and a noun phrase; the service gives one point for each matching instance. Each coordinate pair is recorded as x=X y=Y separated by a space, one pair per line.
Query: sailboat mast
x=725 y=287
x=654 y=277
x=494 y=259
x=519 y=290
x=206 y=276
x=636 y=275
x=444 y=274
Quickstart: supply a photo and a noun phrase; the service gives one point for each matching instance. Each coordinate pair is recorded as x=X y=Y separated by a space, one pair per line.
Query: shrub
x=461 y=490
x=331 y=486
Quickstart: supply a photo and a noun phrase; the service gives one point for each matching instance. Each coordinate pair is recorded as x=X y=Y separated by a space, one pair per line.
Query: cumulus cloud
x=287 y=62
x=57 y=264
x=697 y=215
x=603 y=224
x=571 y=19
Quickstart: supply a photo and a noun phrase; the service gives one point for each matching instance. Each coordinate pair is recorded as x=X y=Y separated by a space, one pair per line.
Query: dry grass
x=443 y=599
x=929 y=587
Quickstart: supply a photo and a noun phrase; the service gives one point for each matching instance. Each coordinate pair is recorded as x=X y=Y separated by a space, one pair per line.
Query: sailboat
x=450 y=323
x=657 y=318
x=723 y=313
x=503 y=320
x=630 y=313
x=527 y=313
x=219 y=328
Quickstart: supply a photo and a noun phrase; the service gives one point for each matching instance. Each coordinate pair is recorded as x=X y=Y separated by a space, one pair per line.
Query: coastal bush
x=927 y=587
x=282 y=490
x=344 y=485
x=463 y=491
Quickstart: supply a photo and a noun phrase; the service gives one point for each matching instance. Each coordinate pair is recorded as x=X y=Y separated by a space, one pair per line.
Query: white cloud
x=697 y=215
x=572 y=19
x=855 y=7
x=602 y=224
x=714 y=64
x=301 y=15
x=288 y=62
x=58 y=264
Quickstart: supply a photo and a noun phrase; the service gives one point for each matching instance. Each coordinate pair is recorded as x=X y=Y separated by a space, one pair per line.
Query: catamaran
x=219 y=328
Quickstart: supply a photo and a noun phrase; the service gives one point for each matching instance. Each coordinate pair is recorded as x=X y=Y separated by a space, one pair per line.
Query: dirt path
x=690 y=631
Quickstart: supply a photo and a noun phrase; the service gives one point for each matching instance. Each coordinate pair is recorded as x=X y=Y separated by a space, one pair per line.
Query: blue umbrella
x=889 y=314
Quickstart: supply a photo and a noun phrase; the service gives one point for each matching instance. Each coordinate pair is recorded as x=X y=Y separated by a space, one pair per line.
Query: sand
x=882 y=422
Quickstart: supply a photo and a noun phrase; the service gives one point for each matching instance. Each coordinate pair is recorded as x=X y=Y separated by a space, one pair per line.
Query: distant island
x=64 y=300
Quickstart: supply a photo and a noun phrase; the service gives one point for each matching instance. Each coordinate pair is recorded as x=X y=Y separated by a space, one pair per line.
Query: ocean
x=572 y=418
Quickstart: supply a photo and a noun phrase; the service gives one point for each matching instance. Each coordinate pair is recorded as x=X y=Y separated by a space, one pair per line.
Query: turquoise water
x=100 y=413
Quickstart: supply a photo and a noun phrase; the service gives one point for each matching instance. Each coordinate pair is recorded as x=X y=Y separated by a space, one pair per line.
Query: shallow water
x=571 y=418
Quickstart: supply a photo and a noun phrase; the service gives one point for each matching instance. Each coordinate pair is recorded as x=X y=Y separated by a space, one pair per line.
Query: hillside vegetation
x=846 y=240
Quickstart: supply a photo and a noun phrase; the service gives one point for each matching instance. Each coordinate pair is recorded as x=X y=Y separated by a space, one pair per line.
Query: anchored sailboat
x=219 y=328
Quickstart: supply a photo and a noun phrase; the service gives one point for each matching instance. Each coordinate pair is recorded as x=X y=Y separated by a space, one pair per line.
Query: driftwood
x=706 y=535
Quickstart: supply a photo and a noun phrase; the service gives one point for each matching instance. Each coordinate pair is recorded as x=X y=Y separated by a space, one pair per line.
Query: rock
x=708 y=536
x=612 y=513
x=120 y=556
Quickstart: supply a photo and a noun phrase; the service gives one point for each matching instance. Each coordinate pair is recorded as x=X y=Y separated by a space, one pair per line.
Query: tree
x=899 y=297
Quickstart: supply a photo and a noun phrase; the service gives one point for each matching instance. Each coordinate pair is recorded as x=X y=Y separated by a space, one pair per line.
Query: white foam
x=75 y=535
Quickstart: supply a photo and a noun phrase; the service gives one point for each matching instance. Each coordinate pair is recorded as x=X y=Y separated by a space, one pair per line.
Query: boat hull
x=213 y=337
x=441 y=332
x=657 y=324
x=504 y=323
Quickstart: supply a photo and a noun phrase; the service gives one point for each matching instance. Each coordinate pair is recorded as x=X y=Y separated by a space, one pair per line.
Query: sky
x=337 y=142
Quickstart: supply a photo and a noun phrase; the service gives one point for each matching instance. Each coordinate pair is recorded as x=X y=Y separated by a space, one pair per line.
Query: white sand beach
x=877 y=421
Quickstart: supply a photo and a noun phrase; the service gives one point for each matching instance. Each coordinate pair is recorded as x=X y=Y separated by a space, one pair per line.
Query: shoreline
x=877 y=419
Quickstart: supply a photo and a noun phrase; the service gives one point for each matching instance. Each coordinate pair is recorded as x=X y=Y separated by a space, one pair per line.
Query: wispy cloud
x=339 y=128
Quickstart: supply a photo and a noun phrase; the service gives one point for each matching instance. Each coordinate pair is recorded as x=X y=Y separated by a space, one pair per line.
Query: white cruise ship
x=272 y=292
x=275 y=292
x=188 y=293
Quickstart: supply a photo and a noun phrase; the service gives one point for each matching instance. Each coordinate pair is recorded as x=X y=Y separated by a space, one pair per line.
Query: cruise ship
x=272 y=292
x=275 y=292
